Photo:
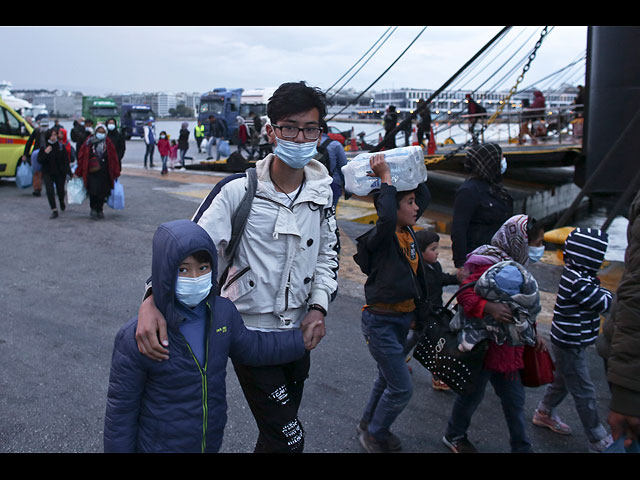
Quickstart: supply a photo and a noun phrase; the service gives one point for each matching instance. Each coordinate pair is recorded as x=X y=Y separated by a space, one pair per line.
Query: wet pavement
x=67 y=285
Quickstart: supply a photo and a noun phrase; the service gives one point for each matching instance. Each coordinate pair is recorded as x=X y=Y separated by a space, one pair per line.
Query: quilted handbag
x=437 y=350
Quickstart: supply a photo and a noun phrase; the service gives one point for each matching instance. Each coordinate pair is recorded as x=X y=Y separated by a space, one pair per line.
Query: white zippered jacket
x=287 y=257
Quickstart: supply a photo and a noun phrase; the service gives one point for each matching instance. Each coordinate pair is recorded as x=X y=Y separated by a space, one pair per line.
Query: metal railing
x=556 y=125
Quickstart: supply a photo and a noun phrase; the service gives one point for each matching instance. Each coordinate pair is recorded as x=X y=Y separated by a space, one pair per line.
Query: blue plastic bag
x=24 y=175
x=116 y=199
x=223 y=148
x=618 y=447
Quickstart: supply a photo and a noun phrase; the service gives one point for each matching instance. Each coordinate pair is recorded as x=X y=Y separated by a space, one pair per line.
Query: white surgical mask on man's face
x=191 y=291
x=295 y=154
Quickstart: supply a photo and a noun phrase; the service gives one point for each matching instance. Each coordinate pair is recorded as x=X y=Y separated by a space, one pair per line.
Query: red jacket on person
x=164 y=147
x=113 y=165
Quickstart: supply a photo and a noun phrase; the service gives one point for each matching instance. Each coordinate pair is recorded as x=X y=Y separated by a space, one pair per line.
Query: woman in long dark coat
x=98 y=166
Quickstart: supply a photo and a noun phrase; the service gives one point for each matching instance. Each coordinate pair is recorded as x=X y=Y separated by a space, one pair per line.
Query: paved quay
x=68 y=284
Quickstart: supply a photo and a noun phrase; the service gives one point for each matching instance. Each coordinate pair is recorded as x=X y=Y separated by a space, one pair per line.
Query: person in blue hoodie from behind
x=179 y=405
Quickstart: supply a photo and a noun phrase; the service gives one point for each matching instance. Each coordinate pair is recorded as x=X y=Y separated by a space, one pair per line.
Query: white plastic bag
x=406 y=165
x=76 y=193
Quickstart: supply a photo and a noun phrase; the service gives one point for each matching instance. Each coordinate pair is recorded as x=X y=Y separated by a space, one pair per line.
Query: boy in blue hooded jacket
x=179 y=405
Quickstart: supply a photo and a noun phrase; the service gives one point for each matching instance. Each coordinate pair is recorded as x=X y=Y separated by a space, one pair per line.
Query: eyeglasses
x=310 y=133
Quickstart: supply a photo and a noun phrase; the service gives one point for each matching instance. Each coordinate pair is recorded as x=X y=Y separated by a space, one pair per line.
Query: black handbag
x=437 y=350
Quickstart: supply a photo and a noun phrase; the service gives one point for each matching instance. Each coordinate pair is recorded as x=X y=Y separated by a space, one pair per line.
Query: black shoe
x=62 y=206
x=371 y=445
x=94 y=214
x=54 y=214
x=459 y=445
x=37 y=193
x=393 y=442
x=100 y=214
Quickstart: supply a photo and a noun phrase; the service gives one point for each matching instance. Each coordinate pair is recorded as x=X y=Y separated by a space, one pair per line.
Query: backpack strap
x=239 y=217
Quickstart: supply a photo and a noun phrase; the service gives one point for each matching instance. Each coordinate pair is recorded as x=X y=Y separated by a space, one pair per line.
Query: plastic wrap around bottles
x=406 y=165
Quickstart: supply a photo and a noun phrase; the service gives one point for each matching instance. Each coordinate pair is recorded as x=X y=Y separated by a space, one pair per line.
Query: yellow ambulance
x=14 y=133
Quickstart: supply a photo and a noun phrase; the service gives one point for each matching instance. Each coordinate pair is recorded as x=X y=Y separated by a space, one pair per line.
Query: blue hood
x=172 y=243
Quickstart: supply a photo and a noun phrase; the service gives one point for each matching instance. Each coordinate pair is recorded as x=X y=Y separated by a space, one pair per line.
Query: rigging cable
x=461 y=113
x=490 y=62
x=407 y=120
x=361 y=66
x=512 y=92
x=353 y=66
x=381 y=75
x=569 y=66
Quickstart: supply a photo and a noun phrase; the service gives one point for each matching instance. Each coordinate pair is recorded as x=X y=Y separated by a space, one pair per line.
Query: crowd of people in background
x=172 y=327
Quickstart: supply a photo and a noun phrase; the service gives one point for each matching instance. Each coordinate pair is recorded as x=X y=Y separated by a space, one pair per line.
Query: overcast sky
x=99 y=60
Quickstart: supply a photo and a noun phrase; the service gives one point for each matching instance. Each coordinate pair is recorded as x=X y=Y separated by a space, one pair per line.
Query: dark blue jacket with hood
x=179 y=405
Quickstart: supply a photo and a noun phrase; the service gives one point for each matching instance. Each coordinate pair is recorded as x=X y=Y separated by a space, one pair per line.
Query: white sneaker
x=601 y=445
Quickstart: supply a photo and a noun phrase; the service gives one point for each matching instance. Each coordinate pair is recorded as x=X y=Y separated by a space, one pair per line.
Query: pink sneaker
x=553 y=423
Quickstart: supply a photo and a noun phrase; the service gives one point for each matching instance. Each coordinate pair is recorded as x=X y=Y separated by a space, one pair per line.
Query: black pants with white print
x=274 y=394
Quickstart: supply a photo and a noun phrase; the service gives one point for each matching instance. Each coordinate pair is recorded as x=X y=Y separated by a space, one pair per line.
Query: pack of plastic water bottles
x=406 y=165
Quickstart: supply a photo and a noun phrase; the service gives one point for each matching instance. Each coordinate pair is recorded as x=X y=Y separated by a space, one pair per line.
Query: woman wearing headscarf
x=98 y=166
x=482 y=204
x=243 y=135
x=117 y=138
x=502 y=362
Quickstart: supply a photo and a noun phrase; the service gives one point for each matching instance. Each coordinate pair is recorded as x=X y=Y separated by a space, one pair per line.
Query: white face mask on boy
x=191 y=291
x=295 y=154
x=535 y=253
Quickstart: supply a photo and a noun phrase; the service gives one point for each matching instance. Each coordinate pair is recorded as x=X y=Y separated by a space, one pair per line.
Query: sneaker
x=553 y=423
x=439 y=384
x=93 y=214
x=459 y=445
x=54 y=214
x=393 y=442
x=601 y=445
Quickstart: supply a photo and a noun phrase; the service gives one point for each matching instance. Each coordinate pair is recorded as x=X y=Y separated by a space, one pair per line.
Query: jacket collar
x=316 y=187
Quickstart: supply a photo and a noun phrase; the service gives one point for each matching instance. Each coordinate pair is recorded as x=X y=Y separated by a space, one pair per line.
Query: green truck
x=100 y=109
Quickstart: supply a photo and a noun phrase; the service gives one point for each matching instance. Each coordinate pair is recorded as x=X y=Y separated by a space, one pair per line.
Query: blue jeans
x=164 y=162
x=149 y=154
x=212 y=141
x=392 y=390
x=572 y=376
x=511 y=393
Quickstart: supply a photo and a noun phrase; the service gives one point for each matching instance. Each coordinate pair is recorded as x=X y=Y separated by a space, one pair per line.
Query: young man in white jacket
x=284 y=272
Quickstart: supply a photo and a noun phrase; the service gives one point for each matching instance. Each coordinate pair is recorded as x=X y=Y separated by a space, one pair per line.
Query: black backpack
x=362 y=253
